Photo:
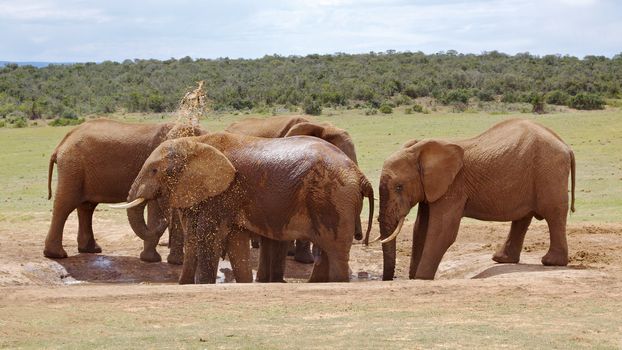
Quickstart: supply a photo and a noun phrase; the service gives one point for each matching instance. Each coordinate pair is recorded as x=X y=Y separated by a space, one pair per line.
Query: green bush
x=66 y=121
x=587 y=101
x=408 y=111
x=385 y=108
x=419 y=108
x=558 y=98
x=510 y=97
x=312 y=107
x=371 y=111
x=460 y=96
x=20 y=123
x=537 y=103
x=486 y=95
x=2 y=123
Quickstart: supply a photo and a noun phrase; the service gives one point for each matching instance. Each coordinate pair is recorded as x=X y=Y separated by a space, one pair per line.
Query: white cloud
x=77 y=30
x=29 y=10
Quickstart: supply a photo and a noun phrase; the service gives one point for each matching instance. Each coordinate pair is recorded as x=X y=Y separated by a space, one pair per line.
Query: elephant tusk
x=131 y=204
x=375 y=239
x=394 y=234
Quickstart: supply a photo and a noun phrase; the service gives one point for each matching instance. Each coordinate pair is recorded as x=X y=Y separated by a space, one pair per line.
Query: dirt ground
x=117 y=278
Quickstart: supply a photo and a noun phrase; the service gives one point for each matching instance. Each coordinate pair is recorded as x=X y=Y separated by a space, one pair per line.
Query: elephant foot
x=150 y=256
x=91 y=248
x=555 y=259
x=175 y=259
x=258 y=280
x=503 y=258
x=55 y=253
x=304 y=256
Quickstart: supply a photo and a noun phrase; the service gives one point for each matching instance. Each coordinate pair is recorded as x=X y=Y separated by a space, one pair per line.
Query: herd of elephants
x=282 y=179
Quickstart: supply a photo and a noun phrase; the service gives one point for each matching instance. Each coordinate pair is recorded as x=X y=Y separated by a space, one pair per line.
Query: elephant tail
x=50 y=171
x=572 y=180
x=368 y=191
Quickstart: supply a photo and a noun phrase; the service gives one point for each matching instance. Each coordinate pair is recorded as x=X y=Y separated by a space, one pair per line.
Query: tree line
x=314 y=81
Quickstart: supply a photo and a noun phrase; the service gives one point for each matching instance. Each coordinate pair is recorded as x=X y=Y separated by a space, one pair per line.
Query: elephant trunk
x=136 y=217
x=388 y=260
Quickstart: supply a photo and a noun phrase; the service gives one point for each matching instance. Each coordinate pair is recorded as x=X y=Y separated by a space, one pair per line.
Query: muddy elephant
x=97 y=163
x=225 y=185
x=285 y=126
x=515 y=171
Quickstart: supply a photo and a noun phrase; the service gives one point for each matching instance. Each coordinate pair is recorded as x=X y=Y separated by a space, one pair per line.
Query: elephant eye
x=154 y=171
x=399 y=188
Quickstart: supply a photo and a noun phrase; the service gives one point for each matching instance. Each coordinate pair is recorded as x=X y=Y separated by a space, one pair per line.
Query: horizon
x=41 y=64
x=75 y=31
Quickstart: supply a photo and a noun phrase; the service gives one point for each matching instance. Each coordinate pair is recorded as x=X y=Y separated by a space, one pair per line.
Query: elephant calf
x=226 y=185
x=514 y=171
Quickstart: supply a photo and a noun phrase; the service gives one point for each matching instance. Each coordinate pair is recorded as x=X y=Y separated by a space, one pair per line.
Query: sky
x=94 y=31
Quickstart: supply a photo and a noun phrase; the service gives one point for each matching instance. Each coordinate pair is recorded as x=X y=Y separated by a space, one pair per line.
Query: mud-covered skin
x=514 y=171
x=97 y=163
x=286 y=126
x=283 y=189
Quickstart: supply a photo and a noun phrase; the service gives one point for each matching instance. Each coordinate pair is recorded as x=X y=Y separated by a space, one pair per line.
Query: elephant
x=514 y=171
x=97 y=163
x=226 y=185
x=285 y=126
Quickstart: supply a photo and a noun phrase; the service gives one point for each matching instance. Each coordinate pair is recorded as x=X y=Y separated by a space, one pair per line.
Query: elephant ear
x=410 y=143
x=439 y=162
x=206 y=173
x=307 y=128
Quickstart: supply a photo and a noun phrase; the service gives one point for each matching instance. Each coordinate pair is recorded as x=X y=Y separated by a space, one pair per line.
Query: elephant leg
x=303 y=252
x=188 y=270
x=272 y=256
x=320 y=271
x=263 y=270
x=54 y=239
x=175 y=241
x=239 y=256
x=511 y=249
x=420 y=230
x=443 y=225
x=278 y=261
x=207 y=266
x=86 y=239
x=338 y=268
x=558 y=248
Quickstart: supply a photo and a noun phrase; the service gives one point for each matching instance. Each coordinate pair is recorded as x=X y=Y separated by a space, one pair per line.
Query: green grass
x=596 y=138
x=446 y=318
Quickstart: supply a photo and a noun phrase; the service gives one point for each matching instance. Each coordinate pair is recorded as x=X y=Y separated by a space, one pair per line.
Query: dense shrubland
x=373 y=82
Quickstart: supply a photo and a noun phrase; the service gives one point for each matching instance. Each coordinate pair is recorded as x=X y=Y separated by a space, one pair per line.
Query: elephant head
x=328 y=132
x=184 y=171
x=420 y=172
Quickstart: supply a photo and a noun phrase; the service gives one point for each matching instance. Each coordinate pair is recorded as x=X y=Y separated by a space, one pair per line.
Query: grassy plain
x=517 y=306
x=596 y=138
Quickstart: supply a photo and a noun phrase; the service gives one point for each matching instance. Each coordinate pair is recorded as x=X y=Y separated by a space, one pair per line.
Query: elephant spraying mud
x=226 y=185
x=515 y=171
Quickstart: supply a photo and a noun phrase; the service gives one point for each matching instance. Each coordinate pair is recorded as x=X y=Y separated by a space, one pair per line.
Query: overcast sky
x=79 y=30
